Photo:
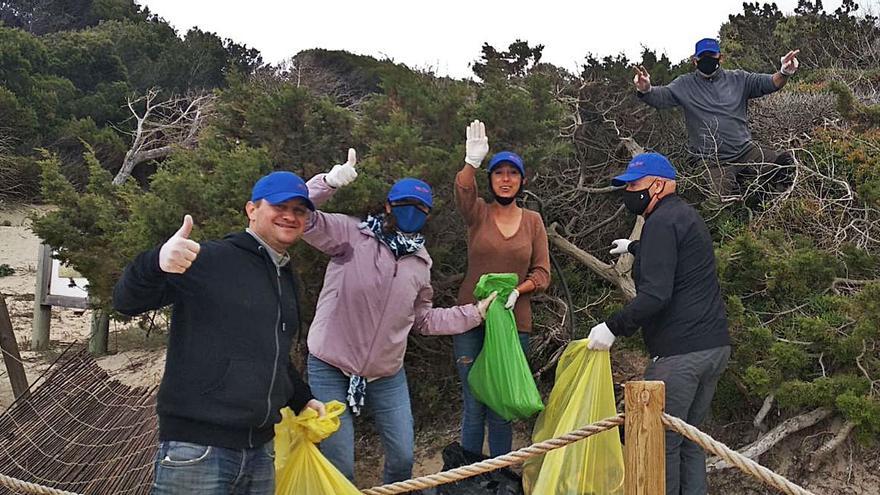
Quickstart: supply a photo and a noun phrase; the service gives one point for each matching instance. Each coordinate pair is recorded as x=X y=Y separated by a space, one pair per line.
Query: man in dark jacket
x=678 y=306
x=228 y=371
x=715 y=104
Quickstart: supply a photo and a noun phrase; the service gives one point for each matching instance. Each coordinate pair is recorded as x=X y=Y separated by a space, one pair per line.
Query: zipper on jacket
x=277 y=349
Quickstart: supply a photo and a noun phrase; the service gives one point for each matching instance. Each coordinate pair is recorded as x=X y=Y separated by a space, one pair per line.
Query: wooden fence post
x=42 y=312
x=10 y=352
x=645 y=449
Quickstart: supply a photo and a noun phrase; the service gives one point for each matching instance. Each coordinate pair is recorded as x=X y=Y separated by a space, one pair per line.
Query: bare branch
x=773 y=437
x=162 y=127
x=818 y=456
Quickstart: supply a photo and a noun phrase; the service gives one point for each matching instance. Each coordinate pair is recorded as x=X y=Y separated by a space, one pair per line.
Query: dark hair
x=389 y=225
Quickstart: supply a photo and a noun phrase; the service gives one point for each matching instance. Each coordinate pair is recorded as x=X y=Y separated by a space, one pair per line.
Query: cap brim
x=411 y=196
x=700 y=54
x=624 y=179
x=278 y=198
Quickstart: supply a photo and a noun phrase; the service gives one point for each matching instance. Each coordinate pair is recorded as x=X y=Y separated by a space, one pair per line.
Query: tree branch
x=817 y=457
x=774 y=436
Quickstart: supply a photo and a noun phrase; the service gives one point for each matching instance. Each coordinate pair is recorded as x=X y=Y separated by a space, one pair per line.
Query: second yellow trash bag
x=582 y=394
x=300 y=467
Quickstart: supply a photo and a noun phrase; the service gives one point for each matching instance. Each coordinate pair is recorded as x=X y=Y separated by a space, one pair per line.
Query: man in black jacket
x=678 y=306
x=228 y=371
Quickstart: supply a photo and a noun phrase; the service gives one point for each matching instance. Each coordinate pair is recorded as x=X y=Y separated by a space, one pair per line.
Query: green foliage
x=86 y=225
x=863 y=411
x=86 y=58
x=822 y=392
x=516 y=61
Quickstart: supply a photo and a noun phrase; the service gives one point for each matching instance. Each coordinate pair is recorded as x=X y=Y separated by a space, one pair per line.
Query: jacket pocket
x=241 y=392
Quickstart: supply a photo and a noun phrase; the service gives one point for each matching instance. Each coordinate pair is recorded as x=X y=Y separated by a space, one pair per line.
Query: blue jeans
x=387 y=401
x=476 y=415
x=183 y=467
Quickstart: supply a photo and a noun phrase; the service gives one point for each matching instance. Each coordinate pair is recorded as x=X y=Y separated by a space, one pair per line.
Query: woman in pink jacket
x=377 y=288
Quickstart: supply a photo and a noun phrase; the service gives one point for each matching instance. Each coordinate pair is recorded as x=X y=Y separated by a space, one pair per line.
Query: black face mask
x=708 y=65
x=504 y=201
x=637 y=201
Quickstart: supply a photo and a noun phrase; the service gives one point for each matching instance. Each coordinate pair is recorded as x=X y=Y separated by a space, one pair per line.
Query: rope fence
x=515 y=457
x=741 y=462
x=25 y=487
x=702 y=439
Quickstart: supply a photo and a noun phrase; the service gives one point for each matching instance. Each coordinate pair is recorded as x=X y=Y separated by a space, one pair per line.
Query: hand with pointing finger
x=642 y=79
x=179 y=252
x=344 y=174
x=789 y=63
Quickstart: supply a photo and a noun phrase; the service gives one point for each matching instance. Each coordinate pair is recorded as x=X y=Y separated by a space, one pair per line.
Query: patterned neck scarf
x=400 y=243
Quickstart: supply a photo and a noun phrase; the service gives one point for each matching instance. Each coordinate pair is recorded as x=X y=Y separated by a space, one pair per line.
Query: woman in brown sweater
x=502 y=238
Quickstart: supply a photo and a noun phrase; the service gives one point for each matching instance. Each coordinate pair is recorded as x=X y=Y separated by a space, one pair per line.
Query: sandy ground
x=18 y=249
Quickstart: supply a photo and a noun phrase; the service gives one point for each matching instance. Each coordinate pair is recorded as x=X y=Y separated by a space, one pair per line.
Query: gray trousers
x=760 y=169
x=690 y=384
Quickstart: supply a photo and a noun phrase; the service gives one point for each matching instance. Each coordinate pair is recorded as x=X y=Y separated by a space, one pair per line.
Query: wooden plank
x=67 y=302
x=645 y=448
x=11 y=356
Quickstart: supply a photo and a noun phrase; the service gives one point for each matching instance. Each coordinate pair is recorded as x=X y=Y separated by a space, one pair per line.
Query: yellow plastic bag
x=300 y=467
x=583 y=393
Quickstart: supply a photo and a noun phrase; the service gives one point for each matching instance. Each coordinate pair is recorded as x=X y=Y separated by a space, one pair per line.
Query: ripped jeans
x=475 y=415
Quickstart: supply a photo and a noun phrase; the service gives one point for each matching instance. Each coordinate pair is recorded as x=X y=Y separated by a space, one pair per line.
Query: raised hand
x=344 y=174
x=642 y=79
x=179 y=252
x=477 y=144
x=789 y=63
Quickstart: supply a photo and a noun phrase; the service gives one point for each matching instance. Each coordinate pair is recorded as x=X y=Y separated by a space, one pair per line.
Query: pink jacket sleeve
x=329 y=233
x=443 y=321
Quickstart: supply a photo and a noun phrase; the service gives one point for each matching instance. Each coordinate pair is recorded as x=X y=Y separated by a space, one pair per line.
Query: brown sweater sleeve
x=469 y=205
x=539 y=269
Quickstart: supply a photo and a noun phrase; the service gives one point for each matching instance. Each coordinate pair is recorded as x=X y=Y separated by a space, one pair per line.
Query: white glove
x=483 y=304
x=477 y=144
x=178 y=252
x=600 y=338
x=620 y=246
x=789 y=63
x=511 y=299
x=343 y=175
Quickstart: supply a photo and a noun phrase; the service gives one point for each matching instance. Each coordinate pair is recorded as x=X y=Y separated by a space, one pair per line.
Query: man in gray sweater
x=715 y=104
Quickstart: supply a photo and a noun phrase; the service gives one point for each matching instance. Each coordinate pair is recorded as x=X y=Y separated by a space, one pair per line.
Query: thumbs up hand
x=179 y=252
x=343 y=175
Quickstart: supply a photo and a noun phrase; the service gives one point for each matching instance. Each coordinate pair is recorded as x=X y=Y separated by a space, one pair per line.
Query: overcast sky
x=446 y=35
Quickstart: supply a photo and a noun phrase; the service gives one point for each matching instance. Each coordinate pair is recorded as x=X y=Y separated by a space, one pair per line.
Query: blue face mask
x=409 y=218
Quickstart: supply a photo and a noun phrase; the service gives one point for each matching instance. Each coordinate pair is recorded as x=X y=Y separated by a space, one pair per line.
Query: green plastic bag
x=500 y=376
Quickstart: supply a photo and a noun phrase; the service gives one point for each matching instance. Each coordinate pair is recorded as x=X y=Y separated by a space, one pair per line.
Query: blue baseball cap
x=409 y=188
x=281 y=186
x=707 y=45
x=507 y=157
x=643 y=165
